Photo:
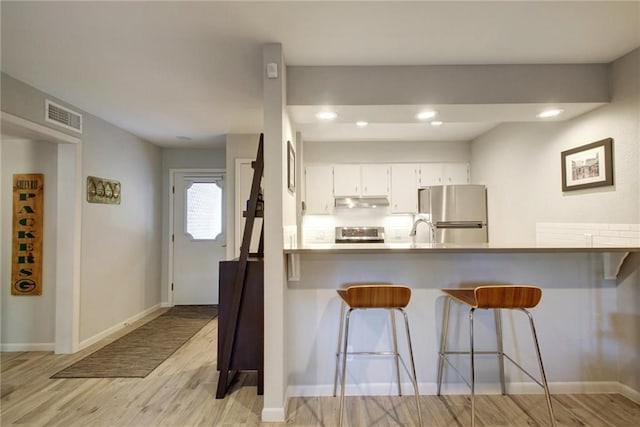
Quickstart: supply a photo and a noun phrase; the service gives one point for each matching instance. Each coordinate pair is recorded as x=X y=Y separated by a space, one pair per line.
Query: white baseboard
x=17 y=347
x=387 y=389
x=276 y=415
x=273 y=415
x=115 y=328
x=165 y=305
x=630 y=393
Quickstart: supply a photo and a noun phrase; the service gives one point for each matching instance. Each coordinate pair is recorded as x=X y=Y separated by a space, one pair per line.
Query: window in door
x=203 y=210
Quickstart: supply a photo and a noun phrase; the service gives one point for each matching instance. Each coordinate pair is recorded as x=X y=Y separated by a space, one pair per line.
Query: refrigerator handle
x=458 y=224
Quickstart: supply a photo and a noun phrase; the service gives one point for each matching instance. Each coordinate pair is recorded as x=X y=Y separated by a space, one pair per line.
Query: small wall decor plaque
x=101 y=190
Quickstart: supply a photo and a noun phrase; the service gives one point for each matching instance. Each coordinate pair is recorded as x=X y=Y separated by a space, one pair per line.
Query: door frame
x=69 y=226
x=172 y=180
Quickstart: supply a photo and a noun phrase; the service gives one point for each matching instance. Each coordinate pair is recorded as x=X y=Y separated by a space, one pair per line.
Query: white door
x=199 y=237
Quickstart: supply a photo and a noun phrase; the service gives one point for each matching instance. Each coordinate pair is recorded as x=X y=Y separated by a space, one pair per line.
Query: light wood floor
x=181 y=392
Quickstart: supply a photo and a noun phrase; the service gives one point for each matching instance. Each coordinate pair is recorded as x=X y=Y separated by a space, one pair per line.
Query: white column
x=274 y=184
x=67 y=331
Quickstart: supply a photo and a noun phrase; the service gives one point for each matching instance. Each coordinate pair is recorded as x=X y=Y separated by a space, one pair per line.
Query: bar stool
x=494 y=297
x=363 y=296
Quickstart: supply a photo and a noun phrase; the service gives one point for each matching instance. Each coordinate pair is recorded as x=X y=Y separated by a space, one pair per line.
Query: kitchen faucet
x=414 y=229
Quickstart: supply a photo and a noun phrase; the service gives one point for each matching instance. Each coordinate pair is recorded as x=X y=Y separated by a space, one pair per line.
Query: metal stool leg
x=443 y=341
x=542 y=374
x=344 y=363
x=396 y=355
x=414 y=377
x=496 y=314
x=335 y=377
x=473 y=374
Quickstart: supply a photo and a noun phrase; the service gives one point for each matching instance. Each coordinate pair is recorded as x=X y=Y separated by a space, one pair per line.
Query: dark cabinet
x=248 y=344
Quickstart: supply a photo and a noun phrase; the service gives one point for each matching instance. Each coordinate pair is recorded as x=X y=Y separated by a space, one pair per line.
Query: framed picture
x=291 y=167
x=588 y=166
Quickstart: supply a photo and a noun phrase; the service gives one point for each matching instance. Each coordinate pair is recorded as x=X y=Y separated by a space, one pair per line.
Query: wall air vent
x=61 y=116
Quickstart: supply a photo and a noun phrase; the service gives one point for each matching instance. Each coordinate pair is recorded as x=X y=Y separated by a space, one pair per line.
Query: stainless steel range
x=359 y=234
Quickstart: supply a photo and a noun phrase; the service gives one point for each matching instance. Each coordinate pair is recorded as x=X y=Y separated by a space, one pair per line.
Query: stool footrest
x=371 y=353
x=445 y=358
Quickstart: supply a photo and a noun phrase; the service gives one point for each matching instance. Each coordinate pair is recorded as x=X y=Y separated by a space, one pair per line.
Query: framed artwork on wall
x=291 y=167
x=588 y=166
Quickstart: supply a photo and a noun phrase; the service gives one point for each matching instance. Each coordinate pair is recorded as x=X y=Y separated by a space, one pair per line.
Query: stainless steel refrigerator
x=458 y=212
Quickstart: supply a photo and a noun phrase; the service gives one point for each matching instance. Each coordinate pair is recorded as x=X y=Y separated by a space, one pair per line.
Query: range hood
x=361 y=202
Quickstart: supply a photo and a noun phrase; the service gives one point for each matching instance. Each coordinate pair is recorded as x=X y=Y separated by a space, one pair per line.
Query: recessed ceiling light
x=326 y=115
x=553 y=112
x=436 y=123
x=361 y=123
x=426 y=115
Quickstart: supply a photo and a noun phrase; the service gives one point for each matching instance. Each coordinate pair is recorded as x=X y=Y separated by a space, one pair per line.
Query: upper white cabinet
x=399 y=182
x=404 y=188
x=375 y=180
x=456 y=173
x=319 y=189
x=360 y=180
x=443 y=174
x=346 y=180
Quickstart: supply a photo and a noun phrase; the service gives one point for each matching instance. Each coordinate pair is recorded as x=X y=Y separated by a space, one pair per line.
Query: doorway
x=67 y=214
x=198 y=235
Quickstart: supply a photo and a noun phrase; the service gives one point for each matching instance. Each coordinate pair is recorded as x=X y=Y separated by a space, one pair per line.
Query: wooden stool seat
x=497 y=296
x=373 y=295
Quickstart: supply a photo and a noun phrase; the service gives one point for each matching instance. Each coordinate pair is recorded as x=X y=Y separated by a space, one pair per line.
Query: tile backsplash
x=587 y=234
x=321 y=228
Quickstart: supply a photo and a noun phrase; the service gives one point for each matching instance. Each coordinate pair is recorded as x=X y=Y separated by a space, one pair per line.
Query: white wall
x=29 y=321
x=387 y=152
x=238 y=146
x=520 y=164
x=446 y=84
x=120 y=244
x=183 y=158
x=120 y=273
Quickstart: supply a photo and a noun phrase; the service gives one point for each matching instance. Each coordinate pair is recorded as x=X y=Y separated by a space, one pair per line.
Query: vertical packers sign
x=26 y=268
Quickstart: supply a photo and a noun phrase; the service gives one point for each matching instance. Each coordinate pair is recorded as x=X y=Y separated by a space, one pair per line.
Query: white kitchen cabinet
x=360 y=180
x=443 y=174
x=346 y=180
x=430 y=174
x=404 y=188
x=319 y=189
x=375 y=180
x=455 y=173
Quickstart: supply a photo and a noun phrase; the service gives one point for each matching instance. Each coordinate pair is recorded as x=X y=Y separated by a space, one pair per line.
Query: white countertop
x=448 y=247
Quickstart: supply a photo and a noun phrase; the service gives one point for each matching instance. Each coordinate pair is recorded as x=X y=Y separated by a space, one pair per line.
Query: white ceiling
x=167 y=69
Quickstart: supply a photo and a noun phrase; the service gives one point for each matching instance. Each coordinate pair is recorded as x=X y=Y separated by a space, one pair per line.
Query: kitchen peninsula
x=579 y=320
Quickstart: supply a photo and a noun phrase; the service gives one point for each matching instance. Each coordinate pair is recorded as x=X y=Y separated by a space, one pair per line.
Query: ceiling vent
x=61 y=116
